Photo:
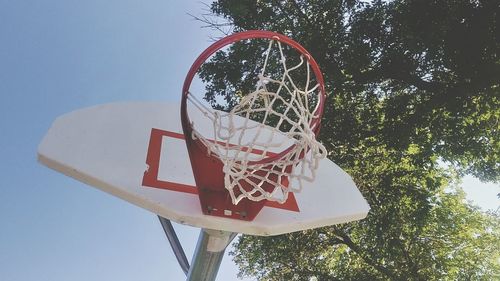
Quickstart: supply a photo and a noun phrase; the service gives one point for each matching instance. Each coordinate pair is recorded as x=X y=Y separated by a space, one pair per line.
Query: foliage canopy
x=412 y=85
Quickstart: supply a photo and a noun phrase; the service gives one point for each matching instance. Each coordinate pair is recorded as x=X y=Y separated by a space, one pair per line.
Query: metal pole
x=175 y=244
x=208 y=254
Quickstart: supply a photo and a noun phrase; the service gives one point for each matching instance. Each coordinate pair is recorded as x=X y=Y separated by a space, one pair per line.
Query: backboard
x=136 y=151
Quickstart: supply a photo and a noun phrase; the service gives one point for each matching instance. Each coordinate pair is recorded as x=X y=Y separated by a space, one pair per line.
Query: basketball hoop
x=265 y=146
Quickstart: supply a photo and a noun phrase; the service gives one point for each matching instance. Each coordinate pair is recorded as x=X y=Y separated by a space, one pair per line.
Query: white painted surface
x=105 y=146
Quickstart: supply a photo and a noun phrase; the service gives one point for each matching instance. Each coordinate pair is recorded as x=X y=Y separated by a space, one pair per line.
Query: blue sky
x=58 y=56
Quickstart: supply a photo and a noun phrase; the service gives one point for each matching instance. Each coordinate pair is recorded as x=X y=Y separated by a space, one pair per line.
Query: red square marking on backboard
x=150 y=178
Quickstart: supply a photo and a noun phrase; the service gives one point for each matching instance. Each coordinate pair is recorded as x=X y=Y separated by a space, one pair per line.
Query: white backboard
x=108 y=147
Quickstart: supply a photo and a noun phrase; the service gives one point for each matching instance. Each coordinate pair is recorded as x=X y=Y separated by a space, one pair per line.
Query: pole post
x=208 y=254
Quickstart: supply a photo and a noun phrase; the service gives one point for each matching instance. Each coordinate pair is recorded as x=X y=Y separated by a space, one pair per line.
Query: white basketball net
x=264 y=123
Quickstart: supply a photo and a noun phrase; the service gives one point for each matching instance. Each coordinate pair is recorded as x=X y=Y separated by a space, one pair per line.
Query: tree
x=411 y=84
x=451 y=241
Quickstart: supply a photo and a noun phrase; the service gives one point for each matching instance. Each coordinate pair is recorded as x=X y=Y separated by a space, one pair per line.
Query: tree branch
x=355 y=248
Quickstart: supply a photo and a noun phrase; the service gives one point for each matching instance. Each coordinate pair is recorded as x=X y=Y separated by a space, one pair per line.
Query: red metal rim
x=252 y=34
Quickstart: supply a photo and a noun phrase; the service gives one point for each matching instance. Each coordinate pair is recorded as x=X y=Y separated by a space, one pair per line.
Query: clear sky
x=58 y=56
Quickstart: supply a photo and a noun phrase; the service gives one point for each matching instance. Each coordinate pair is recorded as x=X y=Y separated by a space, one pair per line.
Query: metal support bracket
x=175 y=244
